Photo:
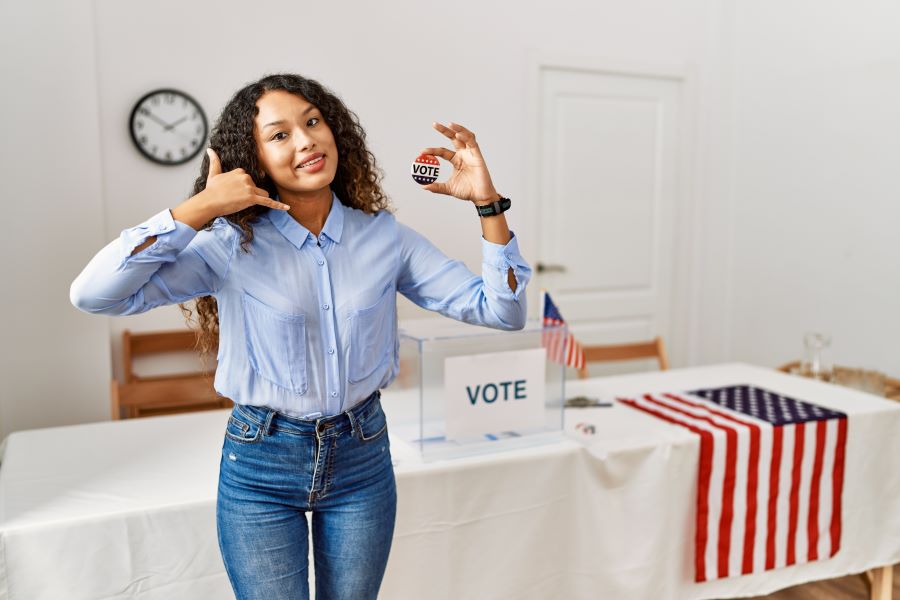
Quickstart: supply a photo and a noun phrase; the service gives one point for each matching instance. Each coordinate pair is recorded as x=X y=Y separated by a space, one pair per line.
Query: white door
x=608 y=184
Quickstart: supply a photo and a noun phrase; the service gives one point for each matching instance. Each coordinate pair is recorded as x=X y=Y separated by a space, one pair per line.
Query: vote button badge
x=425 y=169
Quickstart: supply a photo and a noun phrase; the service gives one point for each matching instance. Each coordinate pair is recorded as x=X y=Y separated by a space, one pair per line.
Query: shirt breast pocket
x=276 y=344
x=372 y=332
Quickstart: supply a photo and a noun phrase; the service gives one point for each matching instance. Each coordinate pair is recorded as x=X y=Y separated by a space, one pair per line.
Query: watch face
x=168 y=127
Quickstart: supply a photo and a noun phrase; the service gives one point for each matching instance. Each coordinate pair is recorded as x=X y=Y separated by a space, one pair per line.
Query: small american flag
x=770 y=480
x=562 y=347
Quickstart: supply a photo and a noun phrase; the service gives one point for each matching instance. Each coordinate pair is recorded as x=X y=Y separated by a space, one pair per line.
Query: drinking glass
x=816 y=362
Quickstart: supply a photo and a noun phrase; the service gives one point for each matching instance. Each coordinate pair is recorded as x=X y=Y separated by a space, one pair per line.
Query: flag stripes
x=768 y=495
x=562 y=347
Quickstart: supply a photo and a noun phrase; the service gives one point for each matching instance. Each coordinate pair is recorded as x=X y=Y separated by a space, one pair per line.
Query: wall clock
x=168 y=127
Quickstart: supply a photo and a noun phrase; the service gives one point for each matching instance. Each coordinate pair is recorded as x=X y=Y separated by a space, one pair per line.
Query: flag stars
x=760 y=403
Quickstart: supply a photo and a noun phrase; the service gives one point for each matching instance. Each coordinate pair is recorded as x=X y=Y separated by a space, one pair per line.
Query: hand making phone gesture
x=225 y=194
x=233 y=191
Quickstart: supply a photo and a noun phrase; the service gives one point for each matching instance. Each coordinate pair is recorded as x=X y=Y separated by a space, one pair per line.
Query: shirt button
x=321 y=262
x=331 y=351
x=325 y=306
x=334 y=394
x=322 y=237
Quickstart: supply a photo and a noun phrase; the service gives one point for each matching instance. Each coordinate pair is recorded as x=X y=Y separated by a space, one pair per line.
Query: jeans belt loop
x=267 y=426
x=353 y=425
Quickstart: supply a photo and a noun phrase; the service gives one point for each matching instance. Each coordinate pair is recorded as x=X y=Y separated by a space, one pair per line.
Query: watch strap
x=494 y=208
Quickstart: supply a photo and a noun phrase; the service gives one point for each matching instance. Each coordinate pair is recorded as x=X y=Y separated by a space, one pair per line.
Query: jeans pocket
x=242 y=430
x=276 y=344
x=372 y=331
x=373 y=426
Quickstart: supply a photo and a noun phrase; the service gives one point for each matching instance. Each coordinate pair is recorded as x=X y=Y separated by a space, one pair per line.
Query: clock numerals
x=159 y=131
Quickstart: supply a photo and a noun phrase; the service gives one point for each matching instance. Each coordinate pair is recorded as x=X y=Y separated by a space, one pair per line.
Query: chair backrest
x=155 y=342
x=652 y=349
x=140 y=396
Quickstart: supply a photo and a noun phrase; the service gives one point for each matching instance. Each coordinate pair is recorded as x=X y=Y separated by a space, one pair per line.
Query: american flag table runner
x=770 y=477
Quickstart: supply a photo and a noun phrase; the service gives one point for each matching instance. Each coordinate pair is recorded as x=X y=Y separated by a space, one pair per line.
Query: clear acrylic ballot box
x=466 y=389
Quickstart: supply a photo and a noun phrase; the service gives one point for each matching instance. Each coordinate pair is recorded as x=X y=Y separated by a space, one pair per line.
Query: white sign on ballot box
x=495 y=393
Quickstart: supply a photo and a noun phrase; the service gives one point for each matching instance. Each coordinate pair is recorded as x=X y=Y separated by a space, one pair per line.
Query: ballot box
x=466 y=389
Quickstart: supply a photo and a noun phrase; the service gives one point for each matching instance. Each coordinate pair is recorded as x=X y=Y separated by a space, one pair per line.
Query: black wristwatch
x=494 y=208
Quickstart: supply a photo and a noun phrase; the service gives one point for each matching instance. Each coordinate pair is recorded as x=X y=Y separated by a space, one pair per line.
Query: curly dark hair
x=356 y=182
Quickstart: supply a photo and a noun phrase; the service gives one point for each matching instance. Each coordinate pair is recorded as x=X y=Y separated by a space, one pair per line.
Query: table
x=633 y=448
x=127 y=509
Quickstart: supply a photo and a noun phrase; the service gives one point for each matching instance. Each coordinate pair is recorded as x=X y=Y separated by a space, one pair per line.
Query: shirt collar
x=297 y=234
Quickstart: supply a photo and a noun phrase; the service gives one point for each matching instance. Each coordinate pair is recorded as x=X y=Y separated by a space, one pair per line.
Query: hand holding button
x=470 y=179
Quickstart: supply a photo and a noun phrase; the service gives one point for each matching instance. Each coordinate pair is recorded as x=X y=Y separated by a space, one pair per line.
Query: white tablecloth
x=127 y=509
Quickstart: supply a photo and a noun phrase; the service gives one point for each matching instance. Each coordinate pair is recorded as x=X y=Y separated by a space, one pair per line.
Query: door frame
x=684 y=345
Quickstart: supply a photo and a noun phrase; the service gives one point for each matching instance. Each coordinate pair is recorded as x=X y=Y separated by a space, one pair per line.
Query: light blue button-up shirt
x=307 y=326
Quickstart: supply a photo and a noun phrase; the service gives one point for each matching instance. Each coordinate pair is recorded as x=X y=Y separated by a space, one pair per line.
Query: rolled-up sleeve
x=180 y=264
x=435 y=282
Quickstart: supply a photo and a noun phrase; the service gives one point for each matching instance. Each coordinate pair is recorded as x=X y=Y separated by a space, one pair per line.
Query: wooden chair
x=161 y=394
x=652 y=349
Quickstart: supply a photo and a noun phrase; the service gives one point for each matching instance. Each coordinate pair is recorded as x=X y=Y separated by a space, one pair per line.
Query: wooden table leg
x=879 y=582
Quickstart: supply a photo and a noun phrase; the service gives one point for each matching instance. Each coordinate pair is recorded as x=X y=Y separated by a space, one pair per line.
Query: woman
x=288 y=246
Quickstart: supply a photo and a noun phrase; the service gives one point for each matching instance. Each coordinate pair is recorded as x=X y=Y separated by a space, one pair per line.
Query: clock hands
x=175 y=123
x=157 y=119
x=166 y=126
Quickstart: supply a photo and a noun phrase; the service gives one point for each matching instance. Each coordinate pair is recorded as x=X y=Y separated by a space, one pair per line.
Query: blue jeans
x=274 y=470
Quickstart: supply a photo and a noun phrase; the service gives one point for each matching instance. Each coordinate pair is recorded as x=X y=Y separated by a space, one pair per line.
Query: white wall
x=815 y=187
x=55 y=366
x=779 y=92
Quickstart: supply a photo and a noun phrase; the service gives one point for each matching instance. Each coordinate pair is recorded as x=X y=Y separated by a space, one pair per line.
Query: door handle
x=542 y=268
